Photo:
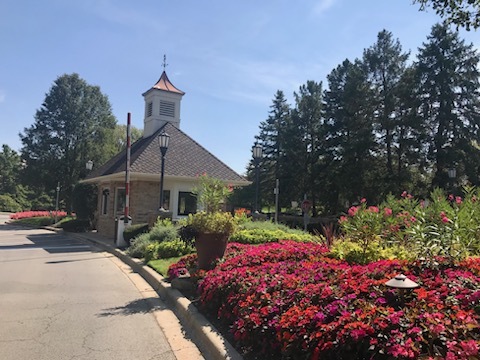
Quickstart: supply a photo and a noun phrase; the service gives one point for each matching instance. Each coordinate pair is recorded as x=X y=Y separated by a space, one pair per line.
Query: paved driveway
x=64 y=299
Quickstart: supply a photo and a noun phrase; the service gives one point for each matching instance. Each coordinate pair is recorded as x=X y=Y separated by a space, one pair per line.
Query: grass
x=161 y=265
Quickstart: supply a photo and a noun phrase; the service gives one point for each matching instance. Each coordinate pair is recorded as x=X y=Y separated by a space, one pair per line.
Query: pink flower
x=373 y=209
x=363 y=200
x=445 y=219
x=404 y=194
x=387 y=211
x=470 y=347
x=451 y=197
x=352 y=211
x=458 y=200
x=342 y=219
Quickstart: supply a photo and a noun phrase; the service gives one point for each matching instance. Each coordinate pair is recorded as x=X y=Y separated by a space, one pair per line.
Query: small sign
x=306 y=205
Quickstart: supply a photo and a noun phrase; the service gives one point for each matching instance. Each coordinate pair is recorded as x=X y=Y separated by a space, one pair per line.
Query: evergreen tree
x=306 y=146
x=272 y=139
x=349 y=117
x=412 y=167
x=448 y=79
x=386 y=64
x=73 y=125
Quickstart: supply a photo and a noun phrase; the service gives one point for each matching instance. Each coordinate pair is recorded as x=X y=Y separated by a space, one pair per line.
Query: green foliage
x=167 y=249
x=272 y=165
x=259 y=232
x=261 y=236
x=442 y=226
x=119 y=142
x=462 y=13
x=163 y=231
x=73 y=125
x=355 y=253
x=11 y=164
x=211 y=193
x=447 y=228
x=138 y=246
x=217 y=222
x=447 y=73
x=85 y=201
x=35 y=221
x=76 y=225
x=8 y=204
x=133 y=231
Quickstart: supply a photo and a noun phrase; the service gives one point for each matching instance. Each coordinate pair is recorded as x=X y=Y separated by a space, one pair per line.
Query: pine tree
x=272 y=139
x=349 y=116
x=306 y=142
x=385 y=63
x=448 y=79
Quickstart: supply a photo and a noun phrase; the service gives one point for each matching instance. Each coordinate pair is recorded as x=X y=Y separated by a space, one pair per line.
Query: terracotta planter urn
x=210 y=247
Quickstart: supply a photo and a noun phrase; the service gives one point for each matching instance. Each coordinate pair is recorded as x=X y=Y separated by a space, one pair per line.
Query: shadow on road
x=139 y=306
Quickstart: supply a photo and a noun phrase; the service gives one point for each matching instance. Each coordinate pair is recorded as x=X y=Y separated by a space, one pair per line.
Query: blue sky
x=230 y=57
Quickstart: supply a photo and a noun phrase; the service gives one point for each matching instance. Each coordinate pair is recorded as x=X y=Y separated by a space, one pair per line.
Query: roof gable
x=184 y=158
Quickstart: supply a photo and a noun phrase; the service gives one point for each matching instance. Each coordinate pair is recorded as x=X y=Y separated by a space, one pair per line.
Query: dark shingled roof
x=184 y=157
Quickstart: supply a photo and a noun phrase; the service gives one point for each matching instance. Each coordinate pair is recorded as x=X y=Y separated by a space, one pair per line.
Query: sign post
x=306 y=205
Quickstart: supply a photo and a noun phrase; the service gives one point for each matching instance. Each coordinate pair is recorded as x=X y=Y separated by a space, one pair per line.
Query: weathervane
x=164 y=62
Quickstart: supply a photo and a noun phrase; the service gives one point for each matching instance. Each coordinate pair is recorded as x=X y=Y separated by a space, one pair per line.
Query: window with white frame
x=119 y=201
x=187 y=203
x=105 y=195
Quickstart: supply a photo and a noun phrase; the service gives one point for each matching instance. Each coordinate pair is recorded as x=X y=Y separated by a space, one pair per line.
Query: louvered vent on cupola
x=167 y=108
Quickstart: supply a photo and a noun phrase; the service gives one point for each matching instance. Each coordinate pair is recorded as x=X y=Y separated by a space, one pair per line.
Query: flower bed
x=288 y=300
x=30 y=214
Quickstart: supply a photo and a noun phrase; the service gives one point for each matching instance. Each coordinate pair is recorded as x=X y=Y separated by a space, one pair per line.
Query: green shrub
x=162 y=231
x=76 y=225
x=35 y=221
x=355 y=253
x=133 y=231
x=7 y=203
x=260 y=236
x=138 y=246
x=167 y=249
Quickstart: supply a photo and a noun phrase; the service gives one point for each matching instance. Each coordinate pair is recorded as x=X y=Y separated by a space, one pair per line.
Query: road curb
x=210 y=342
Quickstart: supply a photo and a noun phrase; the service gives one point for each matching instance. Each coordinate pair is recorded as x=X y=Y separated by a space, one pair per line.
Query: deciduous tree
x=74 y=124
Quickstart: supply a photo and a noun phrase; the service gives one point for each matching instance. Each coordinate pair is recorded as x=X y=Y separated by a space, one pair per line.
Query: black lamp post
x=257 y=151
x=163 y=139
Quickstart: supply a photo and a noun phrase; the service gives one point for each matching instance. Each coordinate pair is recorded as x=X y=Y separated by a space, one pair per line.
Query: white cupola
x=162 y=105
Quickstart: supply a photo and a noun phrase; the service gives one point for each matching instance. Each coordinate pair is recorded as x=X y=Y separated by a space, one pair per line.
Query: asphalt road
x=64 y=299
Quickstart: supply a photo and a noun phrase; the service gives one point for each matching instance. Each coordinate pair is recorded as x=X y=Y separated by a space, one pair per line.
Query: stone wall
x=144 y=201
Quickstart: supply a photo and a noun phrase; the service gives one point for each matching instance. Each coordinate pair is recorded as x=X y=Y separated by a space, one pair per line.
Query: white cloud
x=258 y=81
x=322 y=6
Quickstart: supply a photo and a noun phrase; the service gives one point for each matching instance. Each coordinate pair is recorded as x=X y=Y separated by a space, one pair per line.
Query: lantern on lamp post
x=401 y=283
x=452 y=174
x=89 y=165
x=257 y=152
x=163 y=140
